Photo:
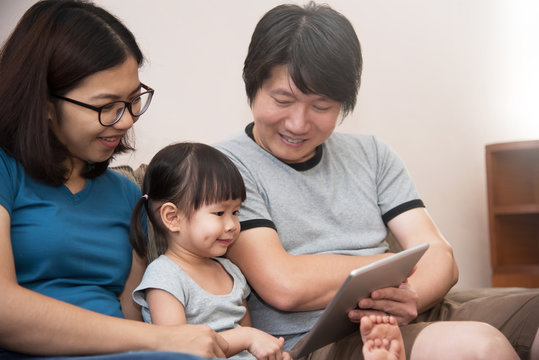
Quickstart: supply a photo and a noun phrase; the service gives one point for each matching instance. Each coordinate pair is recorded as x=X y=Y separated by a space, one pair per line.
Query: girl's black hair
x=55 y=45
x=317 y=44
x=188 y=175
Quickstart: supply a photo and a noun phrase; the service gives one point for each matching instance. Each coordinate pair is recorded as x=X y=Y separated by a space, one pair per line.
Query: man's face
x=288 y=123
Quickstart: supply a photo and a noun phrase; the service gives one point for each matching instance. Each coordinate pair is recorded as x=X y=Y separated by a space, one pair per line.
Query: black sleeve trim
x=412 y=204
x=256 y=223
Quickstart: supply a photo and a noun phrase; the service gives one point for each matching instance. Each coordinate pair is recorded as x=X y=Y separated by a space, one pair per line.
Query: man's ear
x=170 y=216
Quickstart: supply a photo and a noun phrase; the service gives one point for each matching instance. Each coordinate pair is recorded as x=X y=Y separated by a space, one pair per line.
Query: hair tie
x=145 y=196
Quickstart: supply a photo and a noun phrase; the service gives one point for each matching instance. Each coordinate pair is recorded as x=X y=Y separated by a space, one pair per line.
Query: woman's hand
x=266 y=347
x=199 y=340
x=401 y=303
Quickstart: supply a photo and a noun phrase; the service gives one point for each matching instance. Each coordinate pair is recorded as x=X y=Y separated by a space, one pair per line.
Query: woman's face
x=78 y=128
x=288 y=123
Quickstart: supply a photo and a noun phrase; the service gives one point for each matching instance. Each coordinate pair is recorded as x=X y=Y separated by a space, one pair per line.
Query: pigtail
x=137 y=236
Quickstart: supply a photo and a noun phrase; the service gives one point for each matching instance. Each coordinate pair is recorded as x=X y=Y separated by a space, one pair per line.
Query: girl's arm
x=245 y=338
x=165 y=309
x=36 y=324
x=260 y=344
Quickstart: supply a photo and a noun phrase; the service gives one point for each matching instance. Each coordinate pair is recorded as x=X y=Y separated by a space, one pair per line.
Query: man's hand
x=401 y=303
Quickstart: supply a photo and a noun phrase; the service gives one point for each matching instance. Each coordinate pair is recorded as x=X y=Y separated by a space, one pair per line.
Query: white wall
x=441 y=80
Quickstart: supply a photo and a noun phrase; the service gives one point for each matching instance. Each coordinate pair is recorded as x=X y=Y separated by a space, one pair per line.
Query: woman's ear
x=51 y=114
x=170 y=216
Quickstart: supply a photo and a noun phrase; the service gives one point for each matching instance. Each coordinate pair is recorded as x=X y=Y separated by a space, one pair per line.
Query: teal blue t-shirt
x=72 y=247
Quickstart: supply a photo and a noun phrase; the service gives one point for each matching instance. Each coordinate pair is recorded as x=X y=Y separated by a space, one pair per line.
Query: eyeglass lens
x=111 y=113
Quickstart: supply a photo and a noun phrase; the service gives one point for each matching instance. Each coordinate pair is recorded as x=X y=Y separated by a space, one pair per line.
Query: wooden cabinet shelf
x=513 y=207
x=516 y=209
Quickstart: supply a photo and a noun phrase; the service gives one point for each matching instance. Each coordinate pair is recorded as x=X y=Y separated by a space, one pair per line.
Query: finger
x=391 y=293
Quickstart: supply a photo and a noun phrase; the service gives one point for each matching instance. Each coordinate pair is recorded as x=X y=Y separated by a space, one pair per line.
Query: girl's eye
x=236 y=213
x=219 y=213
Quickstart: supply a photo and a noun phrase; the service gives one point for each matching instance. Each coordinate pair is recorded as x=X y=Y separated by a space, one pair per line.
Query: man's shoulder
x=233 y=143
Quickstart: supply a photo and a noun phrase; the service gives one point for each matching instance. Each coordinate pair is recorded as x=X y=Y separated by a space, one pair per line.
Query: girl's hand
x=266 y=347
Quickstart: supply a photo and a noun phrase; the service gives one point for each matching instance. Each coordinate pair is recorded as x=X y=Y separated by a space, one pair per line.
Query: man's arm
x=437 y=270
x=435 y=273
x=291 y=282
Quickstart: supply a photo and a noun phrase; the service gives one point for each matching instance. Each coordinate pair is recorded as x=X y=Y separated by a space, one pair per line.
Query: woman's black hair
x=317 y=44
x=188 y=175
x=55 y=45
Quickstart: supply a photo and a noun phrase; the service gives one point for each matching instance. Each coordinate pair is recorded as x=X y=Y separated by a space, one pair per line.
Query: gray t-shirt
x=220 y=312
x=337 y=202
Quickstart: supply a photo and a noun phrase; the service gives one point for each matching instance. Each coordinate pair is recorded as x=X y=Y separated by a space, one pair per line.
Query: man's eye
x=321 y=108
x=282 y=102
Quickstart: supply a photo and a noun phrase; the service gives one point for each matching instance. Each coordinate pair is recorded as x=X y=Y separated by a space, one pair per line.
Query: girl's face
x=211 y=229
x=78 y=128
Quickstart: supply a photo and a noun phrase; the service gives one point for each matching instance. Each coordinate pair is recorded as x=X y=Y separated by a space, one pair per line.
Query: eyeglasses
x=111 y=113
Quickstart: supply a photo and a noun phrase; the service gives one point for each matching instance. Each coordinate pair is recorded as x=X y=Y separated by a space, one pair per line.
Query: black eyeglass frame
x=127 y=105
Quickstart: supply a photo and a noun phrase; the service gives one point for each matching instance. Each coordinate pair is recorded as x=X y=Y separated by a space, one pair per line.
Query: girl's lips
x=224 y=242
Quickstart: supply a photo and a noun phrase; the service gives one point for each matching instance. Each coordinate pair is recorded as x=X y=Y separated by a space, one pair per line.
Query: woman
x=320 y=203
x=69 y=94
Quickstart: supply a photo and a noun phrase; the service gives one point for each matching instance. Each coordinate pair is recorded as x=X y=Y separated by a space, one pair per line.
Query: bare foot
x=382 y=339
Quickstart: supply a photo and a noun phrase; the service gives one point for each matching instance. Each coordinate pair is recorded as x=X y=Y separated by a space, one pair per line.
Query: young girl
x=192 y=195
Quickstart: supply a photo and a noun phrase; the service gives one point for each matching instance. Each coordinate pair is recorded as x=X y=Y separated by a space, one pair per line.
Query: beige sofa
x=137 y=175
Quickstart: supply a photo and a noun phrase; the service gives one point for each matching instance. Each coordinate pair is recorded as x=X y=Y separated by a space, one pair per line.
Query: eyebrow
x=282 y=92
x=114 y=96
x=291 y=94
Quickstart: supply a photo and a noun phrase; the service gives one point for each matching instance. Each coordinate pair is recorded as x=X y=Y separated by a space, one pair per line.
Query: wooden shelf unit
x=513 y=212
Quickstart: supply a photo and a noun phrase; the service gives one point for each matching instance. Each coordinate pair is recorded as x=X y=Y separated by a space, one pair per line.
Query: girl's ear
x=170 y=216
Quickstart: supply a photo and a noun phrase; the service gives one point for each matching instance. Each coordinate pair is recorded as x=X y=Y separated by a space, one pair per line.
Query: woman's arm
x=130 y=309
x=291 y=282
x=37 y=324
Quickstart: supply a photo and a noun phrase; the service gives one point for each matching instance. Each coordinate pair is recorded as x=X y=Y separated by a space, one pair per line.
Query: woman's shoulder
x=8 y=161
x=11 y=171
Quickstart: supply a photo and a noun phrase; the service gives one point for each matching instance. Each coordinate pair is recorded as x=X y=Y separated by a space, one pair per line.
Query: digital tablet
x=334 y=323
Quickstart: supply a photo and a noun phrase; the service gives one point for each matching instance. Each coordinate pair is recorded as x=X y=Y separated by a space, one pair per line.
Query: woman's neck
x=75 y=181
